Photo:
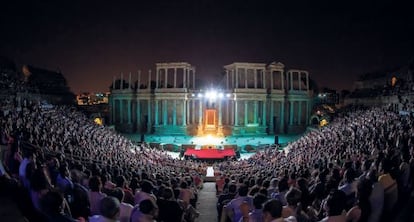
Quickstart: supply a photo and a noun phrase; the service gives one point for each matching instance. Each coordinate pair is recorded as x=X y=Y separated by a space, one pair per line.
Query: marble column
x=188 y=79
x=245 y=78
x=245 y=112
x=138 y=105
x=271 y=115
x=194 y=86
x=232 y=79
x=282 y=79
x=299 y=81
x=237 y=79
x=184 y=118
x=193 y=115
x=166 y=78
x=174 y=112
x=165 y=112
x=175 y=77
x=200 y=112
x=184 y=78
x=264 y=116
x=291 y=80
x=264 y=78
x=156 y=121
x=227 y=79
x=149 y=125
x=121 y=110
x=236 y=113
x=227 y=112
x=272 y=84
x=256 y=110
x=255 y=78
x=232 y=112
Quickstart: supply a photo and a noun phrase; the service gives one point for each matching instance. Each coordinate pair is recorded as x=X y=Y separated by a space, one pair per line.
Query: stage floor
x=241 y=141
x=209 y=153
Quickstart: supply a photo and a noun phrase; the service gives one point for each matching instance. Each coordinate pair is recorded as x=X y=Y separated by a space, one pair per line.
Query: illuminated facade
x=251 y=99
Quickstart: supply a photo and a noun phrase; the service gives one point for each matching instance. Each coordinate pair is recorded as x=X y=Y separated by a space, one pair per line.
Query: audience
x=358 y=168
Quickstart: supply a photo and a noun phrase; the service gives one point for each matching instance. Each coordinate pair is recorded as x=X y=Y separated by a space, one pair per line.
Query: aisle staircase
x=207 y=203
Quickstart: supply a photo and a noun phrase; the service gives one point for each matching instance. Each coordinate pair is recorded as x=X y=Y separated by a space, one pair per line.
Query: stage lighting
x=199 y=95
x=221 y=95
x=211 y=94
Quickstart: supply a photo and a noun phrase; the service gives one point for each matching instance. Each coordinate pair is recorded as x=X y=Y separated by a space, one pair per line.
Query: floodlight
x=211 y=94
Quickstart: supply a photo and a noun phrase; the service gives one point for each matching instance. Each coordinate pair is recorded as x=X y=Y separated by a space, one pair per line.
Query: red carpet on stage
x=210 y=153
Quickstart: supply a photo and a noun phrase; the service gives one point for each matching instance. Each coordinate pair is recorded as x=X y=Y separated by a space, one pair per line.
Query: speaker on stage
x=276 y=139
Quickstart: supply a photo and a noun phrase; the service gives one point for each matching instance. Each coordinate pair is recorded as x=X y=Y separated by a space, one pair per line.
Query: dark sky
x=91 y=41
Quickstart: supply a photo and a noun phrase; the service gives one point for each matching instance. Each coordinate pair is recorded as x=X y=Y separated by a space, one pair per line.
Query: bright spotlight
x=228 y=95
x=200 y=95
x=221 y=95
x=192 y=94
x=211 y=94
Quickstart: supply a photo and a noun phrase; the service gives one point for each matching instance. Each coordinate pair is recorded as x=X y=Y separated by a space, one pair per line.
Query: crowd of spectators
x=362 y=165
x=57 y=165
x=57 y=150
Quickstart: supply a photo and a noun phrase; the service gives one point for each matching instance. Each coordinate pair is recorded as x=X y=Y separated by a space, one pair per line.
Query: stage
x=176 y=143
x=209 y=153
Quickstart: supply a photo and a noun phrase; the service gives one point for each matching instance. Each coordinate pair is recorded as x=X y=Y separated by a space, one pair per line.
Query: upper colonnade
x=246 y=75
x=175 y=75
x=238 y=75
x=167 y=75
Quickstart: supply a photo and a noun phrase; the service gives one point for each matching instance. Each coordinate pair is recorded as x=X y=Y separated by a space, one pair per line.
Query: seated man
x=335 y=206
x=146 y=211
x=272 y=212
x=109 y=208
x=233 y=207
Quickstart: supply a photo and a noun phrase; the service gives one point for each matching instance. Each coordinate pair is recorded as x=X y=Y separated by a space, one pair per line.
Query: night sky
x=91 y=41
